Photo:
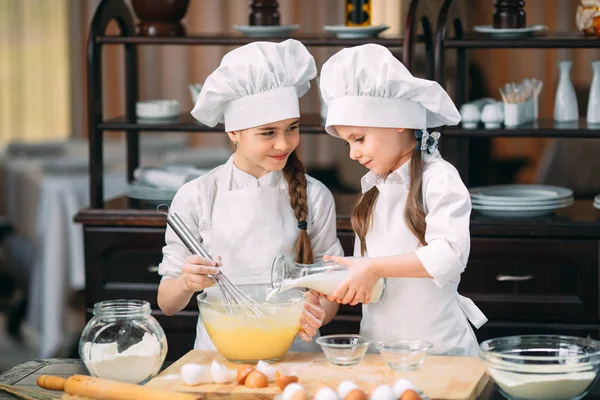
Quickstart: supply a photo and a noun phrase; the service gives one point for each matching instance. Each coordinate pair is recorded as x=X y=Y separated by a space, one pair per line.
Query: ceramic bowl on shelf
x=266 y=30
x=355 y=32
x=157 y=109
x=532 y=367
x=470 y=115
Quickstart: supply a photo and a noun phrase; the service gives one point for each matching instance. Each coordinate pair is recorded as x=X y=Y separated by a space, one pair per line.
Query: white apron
x=249 y=227
x=414 y=308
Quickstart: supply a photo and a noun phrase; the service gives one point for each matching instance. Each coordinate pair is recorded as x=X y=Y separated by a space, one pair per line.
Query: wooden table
x=26 y=374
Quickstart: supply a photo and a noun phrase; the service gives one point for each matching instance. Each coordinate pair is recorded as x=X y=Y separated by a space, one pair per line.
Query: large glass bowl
x=243 y=337
x=536 y=367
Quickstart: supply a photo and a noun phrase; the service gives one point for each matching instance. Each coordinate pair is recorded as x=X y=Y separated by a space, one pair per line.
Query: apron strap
x=473 y=313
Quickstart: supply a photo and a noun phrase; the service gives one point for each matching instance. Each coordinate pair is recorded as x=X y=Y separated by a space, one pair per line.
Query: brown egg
x=410 y=395
x=356 y=394
x=282 y=381
x=299 y=395
x=256 y=379
x=242 y=373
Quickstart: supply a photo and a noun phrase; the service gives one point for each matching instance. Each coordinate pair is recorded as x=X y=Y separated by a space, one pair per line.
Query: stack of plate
x=520 y=201
x=150 y=190
x=151 y=194
x=597 y=202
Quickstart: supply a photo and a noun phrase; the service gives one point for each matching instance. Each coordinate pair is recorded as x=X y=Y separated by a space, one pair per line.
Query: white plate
x=520 y=193
x=355 y=32
x=140 y=191
x=513 y=32
x=266 y=31
x=522 y=208
x=526 y=203
x=517 y=212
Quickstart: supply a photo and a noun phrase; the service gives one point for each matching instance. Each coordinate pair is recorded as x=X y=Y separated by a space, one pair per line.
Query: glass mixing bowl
x=536 y=367
x=243 y=337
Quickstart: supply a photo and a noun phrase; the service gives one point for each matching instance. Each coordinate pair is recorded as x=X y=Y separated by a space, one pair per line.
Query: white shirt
x=447 y=207
x=194 y=203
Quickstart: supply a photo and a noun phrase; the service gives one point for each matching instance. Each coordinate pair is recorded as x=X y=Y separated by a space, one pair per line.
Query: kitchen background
x=42 y=99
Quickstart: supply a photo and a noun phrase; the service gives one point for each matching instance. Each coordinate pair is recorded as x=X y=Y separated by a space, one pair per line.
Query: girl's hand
x=360 y=281
x=312 y=316
x=195 y=270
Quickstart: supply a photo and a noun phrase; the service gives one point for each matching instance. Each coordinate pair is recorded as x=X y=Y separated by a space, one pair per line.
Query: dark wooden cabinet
x=538 y=280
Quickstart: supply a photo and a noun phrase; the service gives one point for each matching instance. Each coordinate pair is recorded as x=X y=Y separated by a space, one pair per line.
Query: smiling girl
x=260 y=203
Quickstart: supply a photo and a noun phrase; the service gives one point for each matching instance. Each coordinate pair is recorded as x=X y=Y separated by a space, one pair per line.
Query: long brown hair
x=414 y=213
x=295 y=175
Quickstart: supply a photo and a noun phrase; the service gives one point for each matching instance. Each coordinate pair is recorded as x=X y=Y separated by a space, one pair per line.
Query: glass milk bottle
x=323 y=277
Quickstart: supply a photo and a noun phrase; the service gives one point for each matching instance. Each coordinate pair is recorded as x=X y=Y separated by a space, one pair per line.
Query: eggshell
x=220 y=373
x=269 y=371
x=283 y=381
x=242 y=373
x=195 y=374
x=256 y=379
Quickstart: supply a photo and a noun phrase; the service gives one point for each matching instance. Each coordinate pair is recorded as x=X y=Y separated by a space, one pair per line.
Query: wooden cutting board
x=457 y=378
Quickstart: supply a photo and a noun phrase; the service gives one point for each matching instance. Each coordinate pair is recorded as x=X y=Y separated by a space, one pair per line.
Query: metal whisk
x=230 y=293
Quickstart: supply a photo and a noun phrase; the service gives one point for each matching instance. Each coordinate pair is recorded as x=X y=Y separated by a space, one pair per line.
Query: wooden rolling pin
x=105 y=389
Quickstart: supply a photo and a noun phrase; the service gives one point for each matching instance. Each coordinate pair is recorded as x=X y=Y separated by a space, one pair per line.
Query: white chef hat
x=256 y=84
x=367 y=86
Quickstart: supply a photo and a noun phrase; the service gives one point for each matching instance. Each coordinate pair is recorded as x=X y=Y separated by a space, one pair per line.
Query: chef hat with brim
x=256 y=84
x=367 y=86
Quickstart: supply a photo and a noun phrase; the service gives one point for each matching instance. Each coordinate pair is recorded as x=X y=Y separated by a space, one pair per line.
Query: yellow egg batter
x=239 y=337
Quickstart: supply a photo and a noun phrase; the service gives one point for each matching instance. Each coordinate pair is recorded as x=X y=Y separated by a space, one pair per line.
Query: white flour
x=326 y=283
x=543 y=387
x=134 y=365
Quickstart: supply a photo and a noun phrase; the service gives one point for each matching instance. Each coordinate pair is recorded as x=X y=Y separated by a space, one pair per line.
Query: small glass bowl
x=547 y=367
x=403 y=355
x=344 y=350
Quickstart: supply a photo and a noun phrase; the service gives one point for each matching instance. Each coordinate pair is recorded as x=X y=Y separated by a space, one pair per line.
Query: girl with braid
x=260 y=203
x=412 y=219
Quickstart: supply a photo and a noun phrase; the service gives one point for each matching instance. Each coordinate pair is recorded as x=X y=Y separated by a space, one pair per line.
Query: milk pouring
x=323 y=277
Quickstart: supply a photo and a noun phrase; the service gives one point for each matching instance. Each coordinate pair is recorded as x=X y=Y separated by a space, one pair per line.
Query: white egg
x=326 y=393
x=195 y=374
x=344 y=388
x=383 y=392
x=290 y=390
x=401 y=386
x=269 y=371
x=220 y=373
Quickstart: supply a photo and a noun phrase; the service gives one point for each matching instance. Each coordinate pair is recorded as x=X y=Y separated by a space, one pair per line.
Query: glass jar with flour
x=323 y=277
x=123 y=342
